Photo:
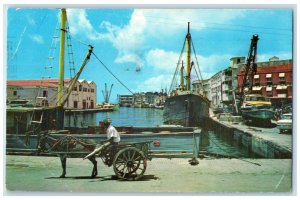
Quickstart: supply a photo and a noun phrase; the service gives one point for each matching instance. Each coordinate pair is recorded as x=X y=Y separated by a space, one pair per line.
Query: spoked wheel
x=130 y=163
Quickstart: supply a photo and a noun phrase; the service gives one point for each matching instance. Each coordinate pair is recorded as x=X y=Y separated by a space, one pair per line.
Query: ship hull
x=188 y=110
x=258 y=114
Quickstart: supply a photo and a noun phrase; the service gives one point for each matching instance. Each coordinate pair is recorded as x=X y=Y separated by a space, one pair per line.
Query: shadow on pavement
x=104 y=178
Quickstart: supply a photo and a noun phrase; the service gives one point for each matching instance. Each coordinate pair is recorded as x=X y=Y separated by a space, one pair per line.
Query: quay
x=89 y=110
x=210 y=176
x=265 y=142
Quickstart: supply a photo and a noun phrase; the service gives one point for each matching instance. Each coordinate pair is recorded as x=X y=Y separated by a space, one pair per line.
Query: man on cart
x=113 y=138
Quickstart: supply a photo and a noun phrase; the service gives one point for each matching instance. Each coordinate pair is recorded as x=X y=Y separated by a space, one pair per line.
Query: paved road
x=36 y=174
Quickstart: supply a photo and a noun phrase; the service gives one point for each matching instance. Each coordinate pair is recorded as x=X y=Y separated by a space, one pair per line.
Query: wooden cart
x=129 y=160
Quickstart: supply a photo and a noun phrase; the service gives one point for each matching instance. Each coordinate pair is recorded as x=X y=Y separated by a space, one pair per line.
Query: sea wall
x=254 y=144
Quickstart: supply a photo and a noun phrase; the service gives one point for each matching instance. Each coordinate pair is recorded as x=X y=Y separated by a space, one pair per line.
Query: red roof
x=41 y=82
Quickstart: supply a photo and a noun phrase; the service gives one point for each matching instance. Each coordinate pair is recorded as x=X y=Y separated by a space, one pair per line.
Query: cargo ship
x=184 y=106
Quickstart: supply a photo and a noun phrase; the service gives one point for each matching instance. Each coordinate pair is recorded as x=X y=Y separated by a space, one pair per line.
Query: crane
x=75 y=79
x=250 y=69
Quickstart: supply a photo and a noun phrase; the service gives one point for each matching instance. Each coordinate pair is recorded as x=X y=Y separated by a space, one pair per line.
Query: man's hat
x=107 y=121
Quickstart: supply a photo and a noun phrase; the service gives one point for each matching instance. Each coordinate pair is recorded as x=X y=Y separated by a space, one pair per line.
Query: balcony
x=227 y=97
x=227 y=78
x=227 y=87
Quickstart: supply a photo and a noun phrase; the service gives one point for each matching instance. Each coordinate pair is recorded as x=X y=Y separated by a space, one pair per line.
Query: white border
x=160 y=4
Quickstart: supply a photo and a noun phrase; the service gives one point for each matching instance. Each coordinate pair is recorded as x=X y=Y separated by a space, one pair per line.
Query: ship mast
x=188 y=58
x=181 y=77
x=63 y=18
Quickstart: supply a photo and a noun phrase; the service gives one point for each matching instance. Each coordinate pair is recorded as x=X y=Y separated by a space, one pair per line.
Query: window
x=92 y=90
x=269 y=93
x=269 y=81
x=256 y=81
x=84 y=89
x=75 y=103
x=15 y=93
x=281 y=80
x=88 y=90
x=75 y=88
x=45 y=93
x=80 y=87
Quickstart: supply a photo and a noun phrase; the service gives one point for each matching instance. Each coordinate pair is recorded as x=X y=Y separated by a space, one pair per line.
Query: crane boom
x=250 y=68
x=76 y=77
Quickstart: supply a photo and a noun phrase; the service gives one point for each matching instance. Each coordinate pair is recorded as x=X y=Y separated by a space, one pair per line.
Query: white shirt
x=113 y=133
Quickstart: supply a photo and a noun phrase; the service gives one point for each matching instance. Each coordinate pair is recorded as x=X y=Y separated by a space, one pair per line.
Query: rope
x=197 y=65
x=112 y=73
x=177 y=67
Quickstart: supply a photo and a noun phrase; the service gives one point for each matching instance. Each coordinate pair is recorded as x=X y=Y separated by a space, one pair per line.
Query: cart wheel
x=130 y=163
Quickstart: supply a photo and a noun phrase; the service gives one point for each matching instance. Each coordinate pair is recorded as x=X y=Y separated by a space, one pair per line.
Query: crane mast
x=250 y=68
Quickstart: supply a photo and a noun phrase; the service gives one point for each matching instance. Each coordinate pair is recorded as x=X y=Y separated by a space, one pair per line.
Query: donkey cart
x=129 y=160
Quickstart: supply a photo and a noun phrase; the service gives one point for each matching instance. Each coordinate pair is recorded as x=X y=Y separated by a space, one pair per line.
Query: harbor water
x=211 y=145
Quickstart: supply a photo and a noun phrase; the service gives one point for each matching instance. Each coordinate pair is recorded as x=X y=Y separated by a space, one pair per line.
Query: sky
x=141 y=47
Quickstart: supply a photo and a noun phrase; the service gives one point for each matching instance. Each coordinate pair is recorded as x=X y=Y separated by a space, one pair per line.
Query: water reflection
x=211 y=144
x=124 y=116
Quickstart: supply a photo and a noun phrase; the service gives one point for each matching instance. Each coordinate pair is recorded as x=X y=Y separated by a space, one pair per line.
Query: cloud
x=162 y=60
x=165 y=61
x=128 y=40
x=31 y=21
x=37 y=38
x=145 y=26
x=79 y=24
x=132 y=58
x=155 y=84
x=281 y=56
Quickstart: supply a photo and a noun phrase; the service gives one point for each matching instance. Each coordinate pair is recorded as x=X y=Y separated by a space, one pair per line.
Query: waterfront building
x=229 y=81
x=44 y=92
x=139 y=100
x=202 y=87
x=273 y=79
x=220 y=87
x=215 y=89
x=143 y=99
x=125 y=100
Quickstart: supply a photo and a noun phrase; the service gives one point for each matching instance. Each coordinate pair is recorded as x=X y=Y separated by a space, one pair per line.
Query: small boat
x=257 y=108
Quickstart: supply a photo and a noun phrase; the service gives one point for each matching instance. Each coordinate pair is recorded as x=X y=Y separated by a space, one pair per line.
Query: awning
x=268 y=75
x=281 y=74
x=281 y=95
x=281 y=87
x=256 y=88
x=268 y=89
x=256 y=76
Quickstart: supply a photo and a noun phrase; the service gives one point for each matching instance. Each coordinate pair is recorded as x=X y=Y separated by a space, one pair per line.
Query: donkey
x=67 y=146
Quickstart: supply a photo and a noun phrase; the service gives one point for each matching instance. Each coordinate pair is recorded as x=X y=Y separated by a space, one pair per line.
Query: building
x=202 y=87
x=44 y=92
x=125 y=100
x=155 y=98
x=229 y=81
x=143 y=99
x=83 y=95
x=273 y=79
x=215 y=89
